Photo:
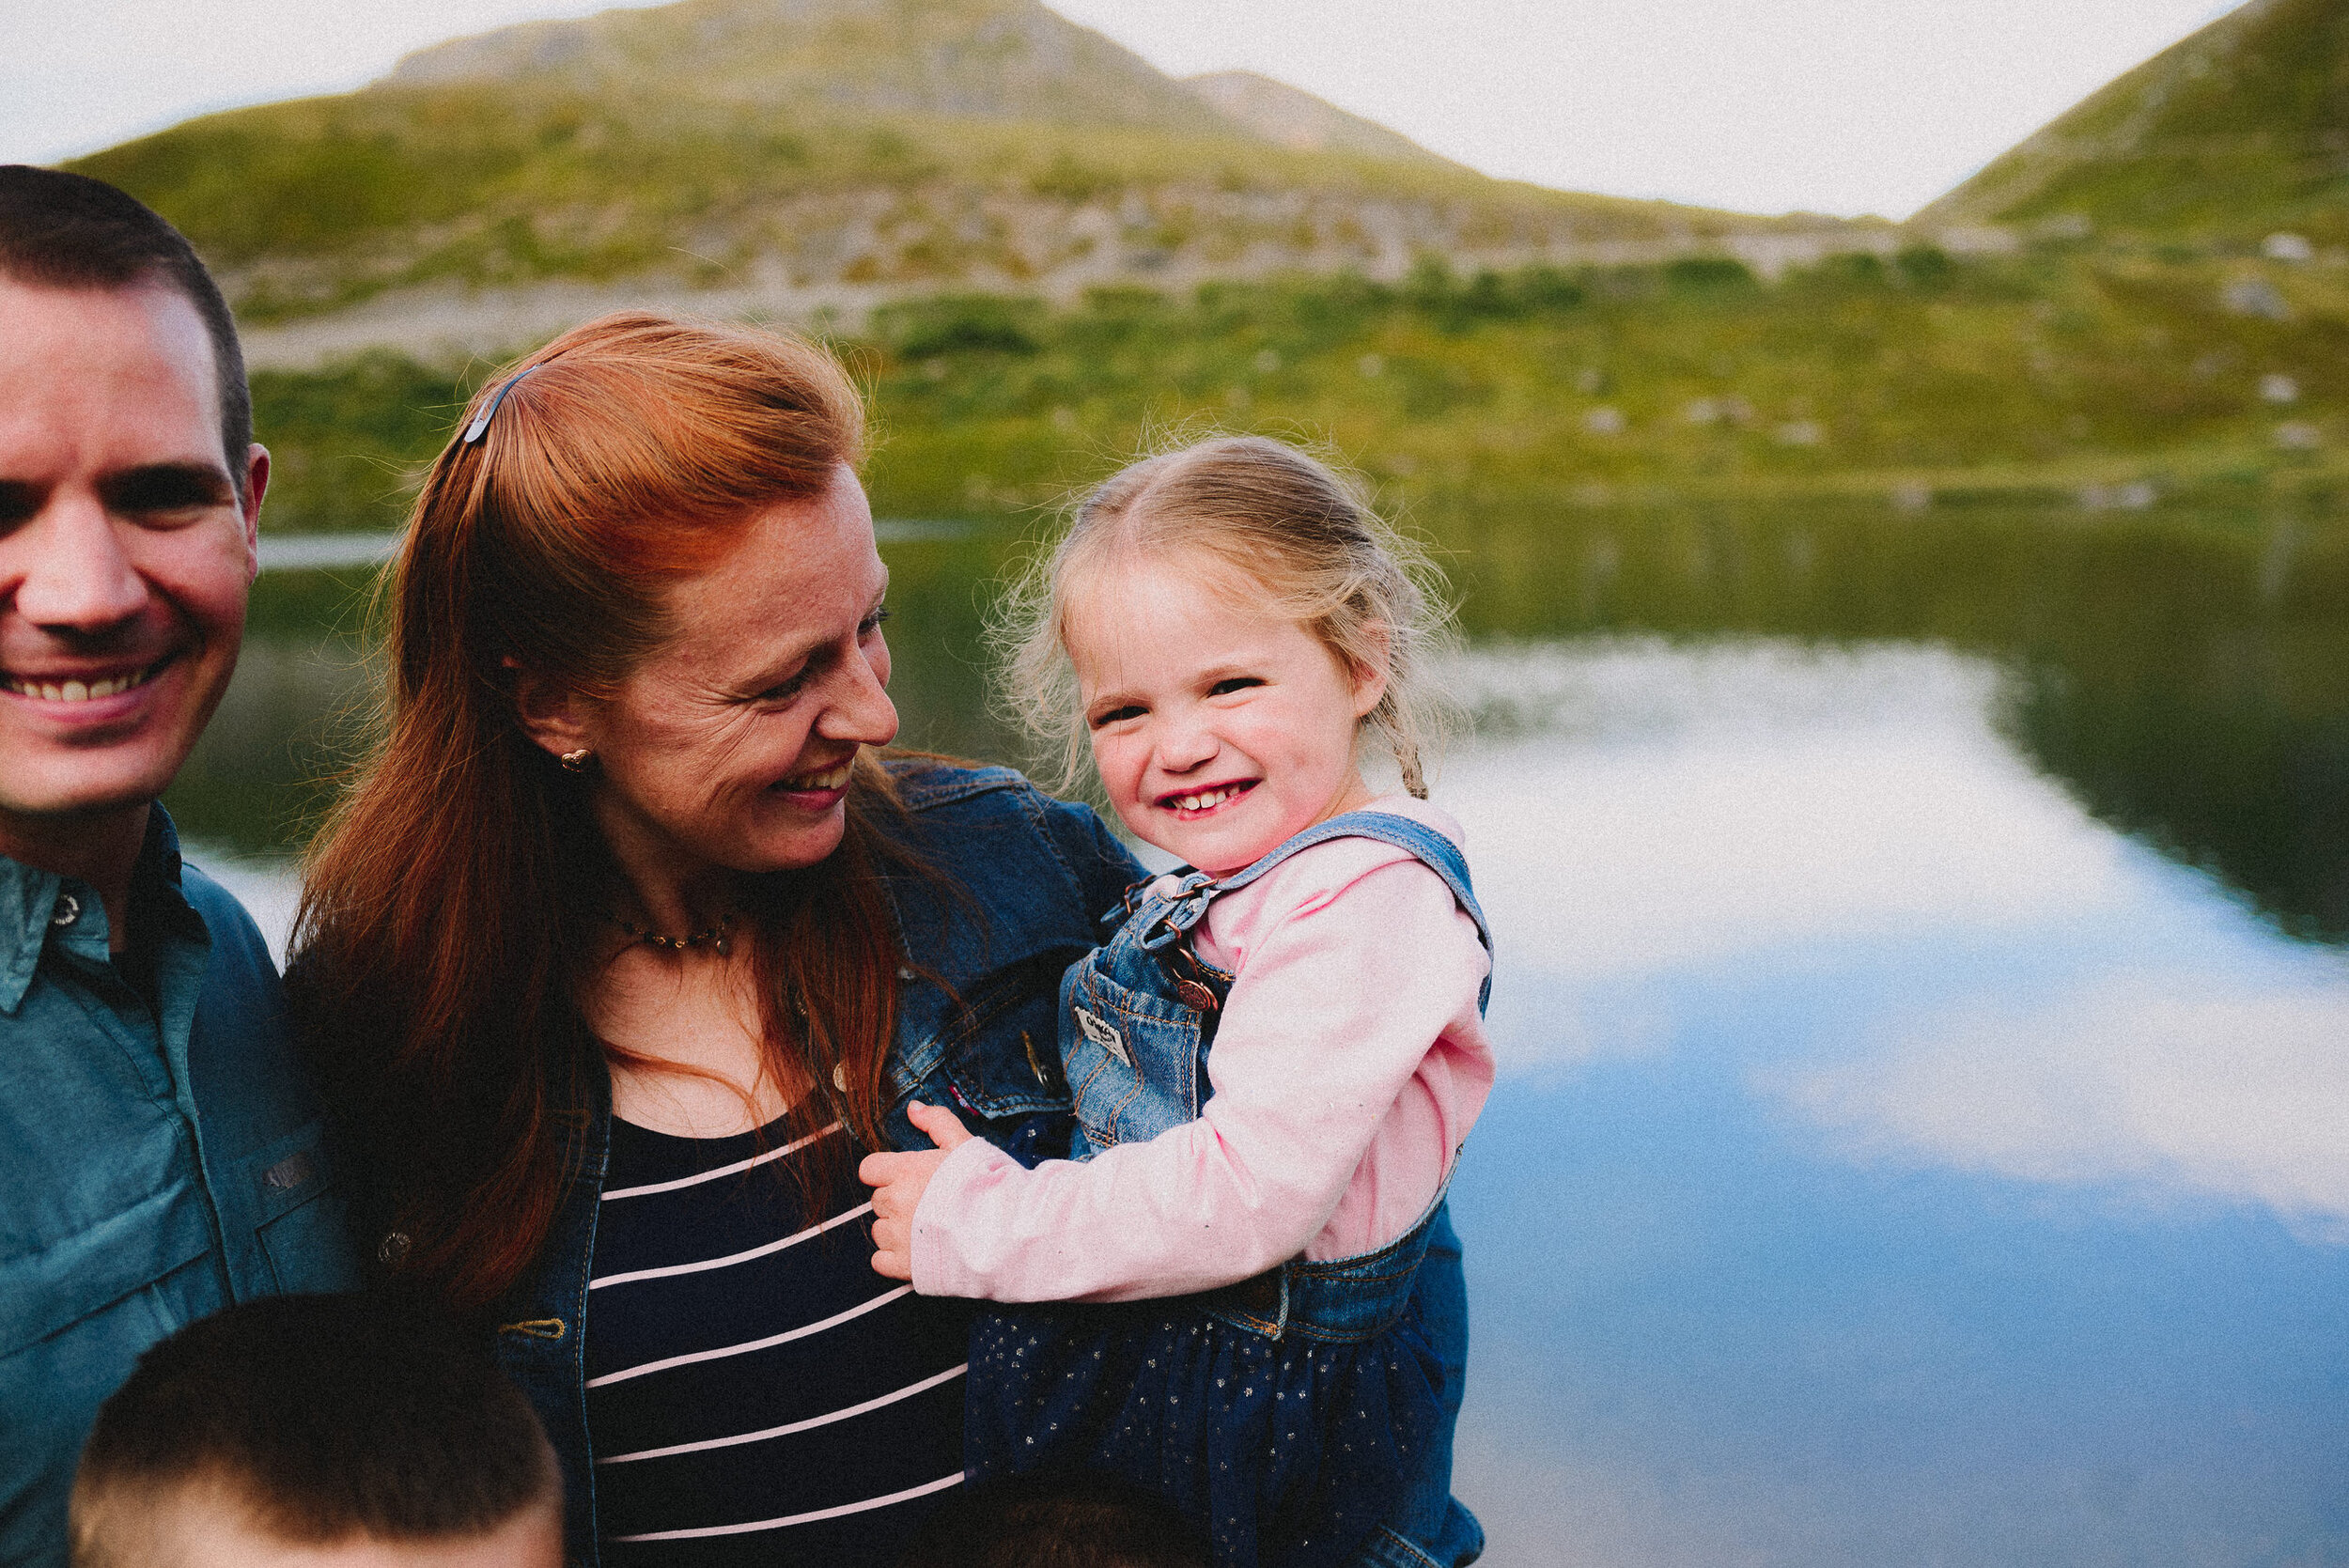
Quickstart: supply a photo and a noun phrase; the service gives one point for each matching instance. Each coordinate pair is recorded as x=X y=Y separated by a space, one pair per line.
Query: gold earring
x=575 y=762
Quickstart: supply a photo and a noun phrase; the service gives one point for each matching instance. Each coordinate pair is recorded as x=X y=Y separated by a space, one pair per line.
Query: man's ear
x=256 y=482
x=1370 y=675
x=551 y=713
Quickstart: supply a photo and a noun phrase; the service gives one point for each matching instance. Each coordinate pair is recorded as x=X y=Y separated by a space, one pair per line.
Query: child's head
x=1222 y=626
x=1056 y=1521
x=316 y=1430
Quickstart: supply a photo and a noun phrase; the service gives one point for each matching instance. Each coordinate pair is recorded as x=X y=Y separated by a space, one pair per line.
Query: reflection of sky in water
x=1891 y=1164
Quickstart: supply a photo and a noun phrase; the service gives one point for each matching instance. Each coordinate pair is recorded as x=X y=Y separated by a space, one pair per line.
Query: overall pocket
x=1131 y=1059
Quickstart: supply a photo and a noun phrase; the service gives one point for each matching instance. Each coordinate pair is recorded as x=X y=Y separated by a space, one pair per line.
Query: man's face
x=125 y=553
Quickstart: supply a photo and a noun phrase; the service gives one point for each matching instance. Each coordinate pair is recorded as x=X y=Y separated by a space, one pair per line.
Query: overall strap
x=1190 y=898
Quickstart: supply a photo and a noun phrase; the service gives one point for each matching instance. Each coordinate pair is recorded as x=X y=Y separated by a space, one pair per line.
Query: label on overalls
x=1104 y=1035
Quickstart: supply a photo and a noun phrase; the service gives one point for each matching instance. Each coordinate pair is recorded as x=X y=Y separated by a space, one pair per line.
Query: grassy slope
x=849 y=141
x=1690 y=379
x=2237 y=132
x=2055 y=372
x=312 y=206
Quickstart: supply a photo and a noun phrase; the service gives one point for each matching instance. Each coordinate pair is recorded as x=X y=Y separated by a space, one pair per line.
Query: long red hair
x=447 y=916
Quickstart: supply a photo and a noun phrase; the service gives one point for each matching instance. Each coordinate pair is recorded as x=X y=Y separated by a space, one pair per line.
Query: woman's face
x=730 y=747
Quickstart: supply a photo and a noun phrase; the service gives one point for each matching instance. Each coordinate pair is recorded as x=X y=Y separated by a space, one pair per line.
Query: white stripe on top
x=667 y=1270
x=907 y=1393
x=868 y=1505
x=833 y=1322
x=723 y=1169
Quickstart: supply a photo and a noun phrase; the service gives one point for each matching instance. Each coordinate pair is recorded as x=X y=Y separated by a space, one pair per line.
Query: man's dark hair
x=326 y=1417
x=1056 y=1520
x=61 y=230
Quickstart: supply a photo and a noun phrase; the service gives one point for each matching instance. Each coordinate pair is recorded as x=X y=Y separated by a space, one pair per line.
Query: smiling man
x=159 y=1157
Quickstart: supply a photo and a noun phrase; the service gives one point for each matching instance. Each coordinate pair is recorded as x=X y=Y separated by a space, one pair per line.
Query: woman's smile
x=819 y=788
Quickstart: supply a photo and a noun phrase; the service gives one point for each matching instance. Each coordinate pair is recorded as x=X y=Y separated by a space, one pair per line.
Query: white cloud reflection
x=2158 y=1083
x=1753 y=819
x=1645 y=809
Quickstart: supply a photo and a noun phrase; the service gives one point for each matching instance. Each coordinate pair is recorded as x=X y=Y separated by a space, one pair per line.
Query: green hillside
x=2122 y=383
x=798 y=147
x=2238 y=132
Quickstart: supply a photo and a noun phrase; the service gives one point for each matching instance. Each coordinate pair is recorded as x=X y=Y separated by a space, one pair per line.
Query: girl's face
x=1218 y=729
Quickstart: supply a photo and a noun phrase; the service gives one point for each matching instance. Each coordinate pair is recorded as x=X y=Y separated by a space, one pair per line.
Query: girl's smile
x=1195 y=803
x=1219 y=728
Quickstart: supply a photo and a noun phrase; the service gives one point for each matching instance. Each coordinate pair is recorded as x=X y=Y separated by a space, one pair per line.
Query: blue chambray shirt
x=155 y=1165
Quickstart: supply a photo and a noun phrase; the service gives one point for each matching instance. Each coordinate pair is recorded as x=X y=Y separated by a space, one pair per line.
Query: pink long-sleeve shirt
x=1349 y=1065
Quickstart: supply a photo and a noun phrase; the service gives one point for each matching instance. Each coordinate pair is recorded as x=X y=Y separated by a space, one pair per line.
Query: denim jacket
x=1038 y=872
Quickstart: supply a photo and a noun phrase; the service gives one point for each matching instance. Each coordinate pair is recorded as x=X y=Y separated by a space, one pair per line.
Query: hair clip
x=473 y=431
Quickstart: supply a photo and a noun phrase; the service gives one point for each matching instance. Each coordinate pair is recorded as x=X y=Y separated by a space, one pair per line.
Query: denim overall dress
x=1288 y=1416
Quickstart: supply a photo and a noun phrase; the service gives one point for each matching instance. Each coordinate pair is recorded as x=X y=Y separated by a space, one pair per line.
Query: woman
x=628 y=940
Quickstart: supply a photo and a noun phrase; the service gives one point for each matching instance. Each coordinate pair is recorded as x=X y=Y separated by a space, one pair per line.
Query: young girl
x=1273 y=1060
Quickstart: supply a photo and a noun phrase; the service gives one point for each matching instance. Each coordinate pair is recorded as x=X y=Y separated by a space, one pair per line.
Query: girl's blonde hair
x=1290 y=525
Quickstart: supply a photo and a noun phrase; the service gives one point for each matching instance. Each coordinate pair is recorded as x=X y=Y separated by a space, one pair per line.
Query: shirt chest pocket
x=293 y=1214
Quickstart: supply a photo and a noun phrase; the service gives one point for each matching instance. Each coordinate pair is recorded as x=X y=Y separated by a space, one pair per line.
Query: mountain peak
x=1295 y=119
x=983 y=59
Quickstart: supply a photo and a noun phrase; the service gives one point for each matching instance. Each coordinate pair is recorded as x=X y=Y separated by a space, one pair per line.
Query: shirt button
x=68 y=910
x=905 y=973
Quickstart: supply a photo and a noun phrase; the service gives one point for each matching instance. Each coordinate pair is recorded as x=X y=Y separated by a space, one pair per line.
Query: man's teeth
x=76 y=690
x=1212 y=797
x=836 y=778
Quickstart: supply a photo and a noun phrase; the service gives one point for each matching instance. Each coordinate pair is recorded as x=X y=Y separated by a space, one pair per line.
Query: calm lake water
x=1924 y=1135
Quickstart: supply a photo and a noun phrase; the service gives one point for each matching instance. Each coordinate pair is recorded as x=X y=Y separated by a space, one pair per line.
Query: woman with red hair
x=631 y=937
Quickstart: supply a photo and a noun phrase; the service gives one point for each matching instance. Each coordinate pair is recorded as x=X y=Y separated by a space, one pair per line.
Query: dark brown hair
x=61 y=230
x=324 y=1418
x=448 y=916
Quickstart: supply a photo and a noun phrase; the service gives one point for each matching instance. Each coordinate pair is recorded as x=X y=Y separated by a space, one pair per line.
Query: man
x=158 y=1159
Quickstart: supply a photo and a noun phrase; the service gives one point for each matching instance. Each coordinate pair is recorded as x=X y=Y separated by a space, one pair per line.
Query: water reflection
x=2186 y=676
x=2170 y=1085
x=2086 y=1011
x=1687 y=806
x=1893 y=1162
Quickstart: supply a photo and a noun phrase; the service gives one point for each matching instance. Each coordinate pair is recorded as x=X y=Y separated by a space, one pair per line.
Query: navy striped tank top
x=755 y=1393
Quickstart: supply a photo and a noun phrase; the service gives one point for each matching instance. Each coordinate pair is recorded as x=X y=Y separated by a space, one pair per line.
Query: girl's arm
x=1351 y=971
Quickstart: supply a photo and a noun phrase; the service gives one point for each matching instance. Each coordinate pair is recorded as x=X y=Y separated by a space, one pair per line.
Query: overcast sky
x=1843 y=106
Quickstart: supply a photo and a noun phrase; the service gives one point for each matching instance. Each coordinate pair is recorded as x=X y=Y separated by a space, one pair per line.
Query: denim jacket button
x=68 y=909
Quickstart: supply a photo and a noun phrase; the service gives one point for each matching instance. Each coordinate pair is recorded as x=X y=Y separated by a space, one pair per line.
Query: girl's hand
x=899 y=1182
